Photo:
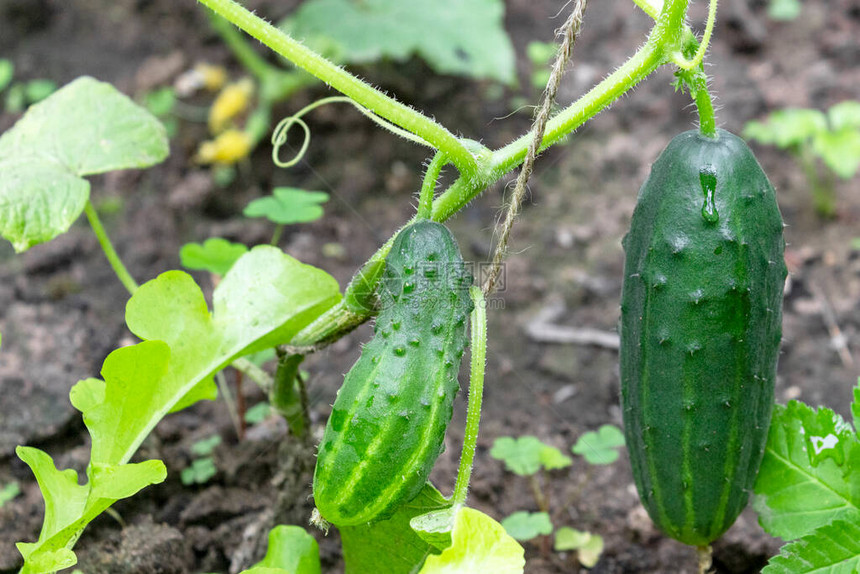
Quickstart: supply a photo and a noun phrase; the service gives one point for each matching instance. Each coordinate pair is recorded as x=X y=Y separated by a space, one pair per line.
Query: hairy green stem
x=671 y=24
x=115 y=262
x=253 y=372
x=699 y=56
x=276 y=235
x=697 y=82
x=359 y=303
x=650 y=7
x=476 y=391
x=428 y=187
x=229 y=402
x=707 y=120
x=343 y=81
x=503 y=160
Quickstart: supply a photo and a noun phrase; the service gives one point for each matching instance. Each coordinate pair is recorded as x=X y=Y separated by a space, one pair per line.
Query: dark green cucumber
x=701 y=322
x=389 y=419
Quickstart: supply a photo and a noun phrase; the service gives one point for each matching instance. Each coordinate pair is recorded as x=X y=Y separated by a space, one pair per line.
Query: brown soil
x=61 y=308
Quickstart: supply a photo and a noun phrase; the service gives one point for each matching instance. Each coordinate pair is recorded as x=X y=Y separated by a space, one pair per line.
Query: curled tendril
x=678 y=58
x=279 y=135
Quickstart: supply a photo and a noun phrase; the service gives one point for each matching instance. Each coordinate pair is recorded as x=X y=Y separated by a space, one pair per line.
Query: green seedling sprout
x=525 y=526
x=201 y=471
x=784 y=10
x=588 y=546
x=286 y=206
x=161 y=102
x=528 y=456
x=8 y=492
x=7 y=72
x=824 y=145
x=600 y=447
x=258 y=413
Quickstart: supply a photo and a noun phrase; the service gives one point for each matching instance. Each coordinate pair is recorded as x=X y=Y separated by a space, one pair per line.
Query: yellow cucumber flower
x=226 y=149
x=232 y=101
x=212 y=77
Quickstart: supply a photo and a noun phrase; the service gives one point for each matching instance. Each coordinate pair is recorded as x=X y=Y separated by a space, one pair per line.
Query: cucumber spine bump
x=388 y=422
x=701 y=323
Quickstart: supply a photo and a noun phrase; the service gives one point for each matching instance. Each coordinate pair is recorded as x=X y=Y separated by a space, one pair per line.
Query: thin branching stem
x=113 y=258
x=476 y=392
x=341 y=80
x=428 y=187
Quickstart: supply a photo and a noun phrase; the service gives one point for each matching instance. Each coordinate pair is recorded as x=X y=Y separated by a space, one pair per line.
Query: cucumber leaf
x=368 y=548
x=810 y=473
x=215 y=255
x=369 y=30
x=479 y=544
x=291 y=550
x=831 y=549
x=524 y=526
x=263 y=301
x=85 y=128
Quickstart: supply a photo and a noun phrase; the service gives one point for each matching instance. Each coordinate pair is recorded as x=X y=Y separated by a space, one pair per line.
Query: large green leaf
x=368 y=30
x=87 y=127
x=809 y=476
x=832 y=549
x=479 y=544
x=391 y=546
x=263 y=301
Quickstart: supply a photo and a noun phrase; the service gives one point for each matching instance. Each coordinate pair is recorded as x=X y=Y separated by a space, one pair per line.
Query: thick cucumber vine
x=479 y=167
